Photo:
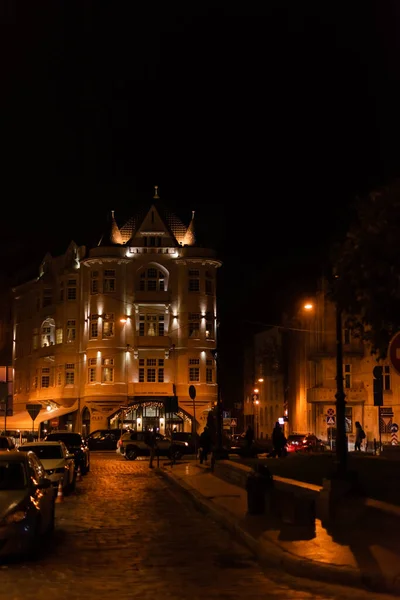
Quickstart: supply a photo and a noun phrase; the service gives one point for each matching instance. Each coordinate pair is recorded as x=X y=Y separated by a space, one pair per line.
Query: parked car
x=58 y=462
x=103 y=439
x=76 y=445
x=298 y=442
x=132 y=444
x=27 y=503
x=189 y=440
x=239 y=446
x=6 y=443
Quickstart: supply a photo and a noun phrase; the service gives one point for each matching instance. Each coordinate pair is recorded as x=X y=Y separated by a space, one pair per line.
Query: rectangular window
x=45 y=382
x=151 y=325
x=386 y=378
x=194 y=374
x=47 y=297
x=209 y=371
x=194 y=281
x=108 y=325
x=107 y=367
x=59 y=335
x=91 y=374
x=69 y=374
x=347 y=376
x=94 y=282
x=71 y=331
x=151 y=370
x=71 y=289
x=94 y=326
x=194 y=325
x=209 y=326
x=209 y=284
x=109 y=281
x=35 y=340
x=61 y=294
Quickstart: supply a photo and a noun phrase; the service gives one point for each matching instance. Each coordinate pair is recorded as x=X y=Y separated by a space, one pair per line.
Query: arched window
x=48 y=333
x=153 y=279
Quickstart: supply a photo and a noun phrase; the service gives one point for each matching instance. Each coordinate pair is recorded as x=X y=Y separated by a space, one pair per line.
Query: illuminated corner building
x=120 y=331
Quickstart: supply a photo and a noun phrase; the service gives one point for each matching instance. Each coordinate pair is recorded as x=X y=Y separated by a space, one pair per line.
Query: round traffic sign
x=330 y=412
x=394 y=428
x=394 y=352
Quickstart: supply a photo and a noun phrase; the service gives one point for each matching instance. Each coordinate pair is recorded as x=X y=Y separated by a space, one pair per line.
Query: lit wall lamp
x=123 y=320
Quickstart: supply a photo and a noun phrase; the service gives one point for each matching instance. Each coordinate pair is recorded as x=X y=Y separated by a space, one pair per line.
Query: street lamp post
x=341 y=439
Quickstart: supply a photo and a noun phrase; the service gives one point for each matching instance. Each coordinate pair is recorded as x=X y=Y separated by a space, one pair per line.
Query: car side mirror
x=44 y=483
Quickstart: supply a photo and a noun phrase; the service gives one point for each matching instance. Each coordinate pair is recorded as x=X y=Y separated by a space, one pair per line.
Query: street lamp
x=256 y=402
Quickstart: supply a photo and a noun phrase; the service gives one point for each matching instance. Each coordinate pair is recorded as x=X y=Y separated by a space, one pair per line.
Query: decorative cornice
x=88 y=262
x=203 y=261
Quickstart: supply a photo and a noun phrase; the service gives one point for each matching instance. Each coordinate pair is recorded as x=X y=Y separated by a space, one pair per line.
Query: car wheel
x=131 y=454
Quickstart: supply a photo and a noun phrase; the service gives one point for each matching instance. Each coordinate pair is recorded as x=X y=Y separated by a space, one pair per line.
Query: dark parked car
x=27 y=503
x=189 y=440
x=76 y=445
x=309 y=442
x=6 y=443
x=133 y=444
x=103 y=439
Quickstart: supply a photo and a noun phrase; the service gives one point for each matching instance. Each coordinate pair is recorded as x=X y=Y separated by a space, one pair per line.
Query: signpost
x=192 y=394
x=33 y=410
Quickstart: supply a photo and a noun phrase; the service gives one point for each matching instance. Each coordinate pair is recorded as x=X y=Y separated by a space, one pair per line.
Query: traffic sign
x=394 y=352
x=33 y=410
x=192 y=392
x=233 y=422
x=226 y=414
x=330 y=412
x=394 y=428
x=331 y=420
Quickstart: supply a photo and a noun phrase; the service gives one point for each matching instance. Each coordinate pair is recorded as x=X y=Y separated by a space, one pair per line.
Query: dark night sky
x=267 y=122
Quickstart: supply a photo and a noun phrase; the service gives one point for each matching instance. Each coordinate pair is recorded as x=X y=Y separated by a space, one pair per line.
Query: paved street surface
x=126 y=533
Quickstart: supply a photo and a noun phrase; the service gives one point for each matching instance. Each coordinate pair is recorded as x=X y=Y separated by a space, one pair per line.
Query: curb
x=269 y=554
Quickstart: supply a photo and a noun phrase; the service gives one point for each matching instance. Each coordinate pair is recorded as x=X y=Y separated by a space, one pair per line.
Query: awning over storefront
x=22 y=421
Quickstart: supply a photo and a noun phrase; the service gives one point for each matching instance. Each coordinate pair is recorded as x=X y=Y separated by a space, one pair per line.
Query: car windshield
x=69 y=439
x=44 y=452
x=12 y=476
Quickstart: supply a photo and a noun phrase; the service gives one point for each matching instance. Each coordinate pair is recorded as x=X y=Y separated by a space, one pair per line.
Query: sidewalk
x=365 y=555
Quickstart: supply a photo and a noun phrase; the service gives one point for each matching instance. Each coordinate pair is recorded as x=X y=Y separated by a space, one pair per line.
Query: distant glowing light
x=308 y=306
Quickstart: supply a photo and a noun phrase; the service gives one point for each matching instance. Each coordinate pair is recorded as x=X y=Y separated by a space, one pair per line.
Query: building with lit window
x=119 y=332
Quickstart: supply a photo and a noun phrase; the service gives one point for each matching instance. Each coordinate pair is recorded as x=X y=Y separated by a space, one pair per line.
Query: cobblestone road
x=127 y=534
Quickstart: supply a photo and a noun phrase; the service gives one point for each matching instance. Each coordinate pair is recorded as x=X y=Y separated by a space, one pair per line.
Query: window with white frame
x=108 y=325
x=347 y=376
x=210 y=326
x=48 y=333
x=94 y=282
x=94 y=326
x=209 y=283
x=92 y=375
x=152 y=280
x=194 y=280
x=151 y=370
x=71 y=331
x=194 y=325
x=70 y=374
x=71 y=289
x=151 y=324
x=387 y=385
x=59 y=335
x=107 y=370
x=45 y=379
x=194 y=369
x=109 y=281
x=210 y=365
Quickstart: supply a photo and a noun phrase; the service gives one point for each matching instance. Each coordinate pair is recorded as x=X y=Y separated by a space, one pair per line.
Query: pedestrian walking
x=151 y=441
x=360 y=436
x=205 y=445
x=249 y=436
x=278 y=440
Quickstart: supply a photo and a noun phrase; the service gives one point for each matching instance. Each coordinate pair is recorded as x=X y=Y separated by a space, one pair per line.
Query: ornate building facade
x=118 y=332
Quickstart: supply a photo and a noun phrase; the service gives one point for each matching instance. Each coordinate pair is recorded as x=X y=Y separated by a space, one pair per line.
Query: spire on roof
x=190 y=236
x=156 y=196
x=113 y=235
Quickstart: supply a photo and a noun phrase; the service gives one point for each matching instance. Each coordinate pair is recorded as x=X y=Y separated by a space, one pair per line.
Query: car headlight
x=186 y=444
x=15 y=517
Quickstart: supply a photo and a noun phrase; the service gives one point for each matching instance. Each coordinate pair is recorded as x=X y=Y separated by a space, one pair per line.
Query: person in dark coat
x=151 y=440
x=278 y=440
x=360 y=436
x=205 y=445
